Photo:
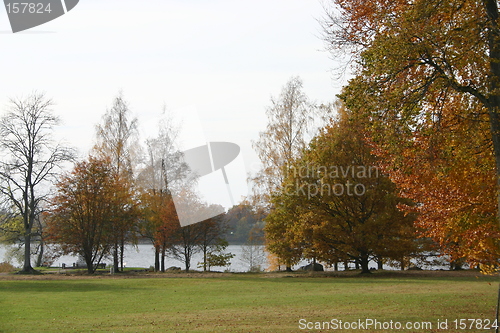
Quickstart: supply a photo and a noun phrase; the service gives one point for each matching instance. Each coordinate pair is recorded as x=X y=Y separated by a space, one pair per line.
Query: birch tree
x=117 y=139
x=290 y=125
x=289 y=119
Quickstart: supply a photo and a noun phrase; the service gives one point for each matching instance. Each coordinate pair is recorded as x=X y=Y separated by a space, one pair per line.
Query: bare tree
x=29 y=160
x=253 y=254
x=186 y=240
x=211 y=232
x=186 y=244
x=164 y=166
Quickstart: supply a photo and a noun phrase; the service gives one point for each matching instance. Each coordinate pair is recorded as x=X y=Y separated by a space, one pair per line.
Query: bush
x=6 y=267
x=255 y=269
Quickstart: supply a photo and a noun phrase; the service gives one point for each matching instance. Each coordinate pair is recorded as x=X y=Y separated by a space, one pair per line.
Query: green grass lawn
x=240 y=302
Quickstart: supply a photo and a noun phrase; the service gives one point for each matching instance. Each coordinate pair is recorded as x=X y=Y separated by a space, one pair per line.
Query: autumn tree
x=280 y=231
x=426 y=78
x=163 y=171
x=84 y=209
x=338 y=203
x=30 y=160
x=240 y=219
x=117 y=139
x=11 y=227
x=12 y=232
x=290 y=120
x=158 y=222
x=167 y=228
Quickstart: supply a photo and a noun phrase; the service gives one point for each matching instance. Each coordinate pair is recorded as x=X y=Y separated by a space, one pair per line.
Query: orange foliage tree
x=446 y=164
x=117 y=140
x=337 y=206
x=159 y=222
x=83 y=212
x=427 y=77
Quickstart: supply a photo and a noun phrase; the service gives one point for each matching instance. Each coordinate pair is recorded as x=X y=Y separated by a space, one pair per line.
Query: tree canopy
x=427 y=77
x=87 y=203
x=336 y=205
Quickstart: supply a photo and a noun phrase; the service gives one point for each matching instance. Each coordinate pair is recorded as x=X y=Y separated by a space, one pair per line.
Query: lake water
x=143 y=256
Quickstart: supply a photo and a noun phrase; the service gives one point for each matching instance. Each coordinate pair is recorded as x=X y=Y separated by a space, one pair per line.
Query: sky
x=213 y=65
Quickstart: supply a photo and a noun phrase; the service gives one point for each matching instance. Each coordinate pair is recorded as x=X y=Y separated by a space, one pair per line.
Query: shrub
x=6 y=267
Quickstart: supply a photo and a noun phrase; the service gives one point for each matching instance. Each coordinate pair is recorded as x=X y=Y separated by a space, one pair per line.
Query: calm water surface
x=143 y=256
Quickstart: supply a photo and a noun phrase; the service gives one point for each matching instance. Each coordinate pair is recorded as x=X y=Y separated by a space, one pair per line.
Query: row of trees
x=335 y=205
x=426 y=86
x=108 y=200
x=423 y=110
x=328 y=200
x=413 y=153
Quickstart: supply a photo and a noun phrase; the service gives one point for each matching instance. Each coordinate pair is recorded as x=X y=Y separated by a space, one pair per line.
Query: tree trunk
x=493 y=100
x=116 y=263
x=122 y=254
x=29 y=218
x=204 y=258
x=491 y=8
x=39 y=259
x=88 y=260
x=363 y=262
x=157 y=258
x=90 y=269
x=380 y=263
x=163 y=250
x=27 y=253
x=187 y=265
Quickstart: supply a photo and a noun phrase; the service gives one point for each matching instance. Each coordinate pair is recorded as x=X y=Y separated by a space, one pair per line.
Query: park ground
x=260 y=302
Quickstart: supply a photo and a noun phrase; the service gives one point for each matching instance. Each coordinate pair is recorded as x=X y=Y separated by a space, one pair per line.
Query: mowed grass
x=239 y=302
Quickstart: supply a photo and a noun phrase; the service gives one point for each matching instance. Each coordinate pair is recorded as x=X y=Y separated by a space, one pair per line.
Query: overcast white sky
x=223 y=58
